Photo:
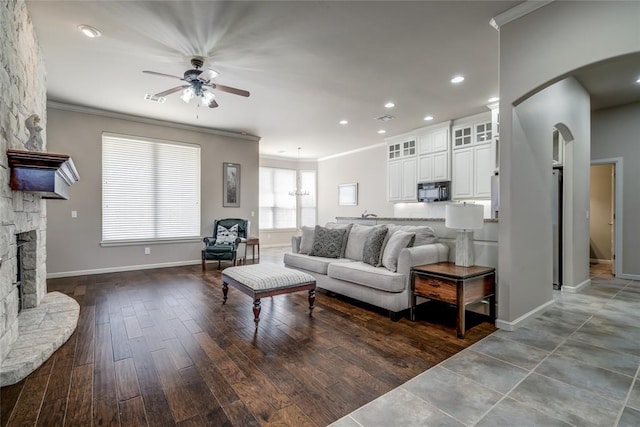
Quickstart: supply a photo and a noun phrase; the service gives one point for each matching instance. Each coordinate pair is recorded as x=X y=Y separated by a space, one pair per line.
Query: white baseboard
x=628 y=276
x=599 y=261
x=120 y=268
x=577 y=288
x=525 y=318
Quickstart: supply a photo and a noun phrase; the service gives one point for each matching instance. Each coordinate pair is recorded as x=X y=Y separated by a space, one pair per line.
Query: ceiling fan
x=198 y=81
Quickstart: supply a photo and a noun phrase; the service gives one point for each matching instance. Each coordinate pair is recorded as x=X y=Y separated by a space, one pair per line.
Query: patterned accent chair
x=228 y=242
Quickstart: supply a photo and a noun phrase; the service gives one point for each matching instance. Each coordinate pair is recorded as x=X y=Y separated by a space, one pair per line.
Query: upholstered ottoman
x=265 y=280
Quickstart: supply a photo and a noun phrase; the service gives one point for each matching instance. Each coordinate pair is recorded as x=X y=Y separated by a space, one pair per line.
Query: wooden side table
x=253 y=242
x=460 y=286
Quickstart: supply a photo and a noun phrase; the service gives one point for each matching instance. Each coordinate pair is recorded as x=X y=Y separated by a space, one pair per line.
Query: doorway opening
x=604 y=229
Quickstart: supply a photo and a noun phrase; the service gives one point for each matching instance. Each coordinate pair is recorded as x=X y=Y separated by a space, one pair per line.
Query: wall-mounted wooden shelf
x=48 y=174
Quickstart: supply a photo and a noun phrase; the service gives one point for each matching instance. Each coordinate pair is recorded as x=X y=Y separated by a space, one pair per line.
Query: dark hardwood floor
x=157 y=347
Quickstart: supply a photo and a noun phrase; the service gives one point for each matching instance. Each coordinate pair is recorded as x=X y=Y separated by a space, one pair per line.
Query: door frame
x=617 y=210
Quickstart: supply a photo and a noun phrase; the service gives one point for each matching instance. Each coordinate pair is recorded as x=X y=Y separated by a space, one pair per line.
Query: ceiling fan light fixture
x=207 y=97
x=89 y=31
x=187 y=94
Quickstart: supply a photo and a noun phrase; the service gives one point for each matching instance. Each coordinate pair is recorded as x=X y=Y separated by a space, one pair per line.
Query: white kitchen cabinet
x=472 y=170
x=433 y=167
x=402 y=180
x=483 y=169
x=462 y=179
x=434 y=139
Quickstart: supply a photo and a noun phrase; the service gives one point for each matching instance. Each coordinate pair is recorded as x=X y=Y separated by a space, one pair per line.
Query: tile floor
x=574 y=365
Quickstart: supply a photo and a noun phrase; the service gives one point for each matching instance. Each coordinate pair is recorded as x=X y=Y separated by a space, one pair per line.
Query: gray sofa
x=376 y=285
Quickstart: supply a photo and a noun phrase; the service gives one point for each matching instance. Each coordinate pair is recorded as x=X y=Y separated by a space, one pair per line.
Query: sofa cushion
x=424 y=234
x=306 y=242
x=311 y=263
x=373 y=245
x=368 y=275
x=346 y=238
x=327 y=242
x=355 y=243
x=397 y=242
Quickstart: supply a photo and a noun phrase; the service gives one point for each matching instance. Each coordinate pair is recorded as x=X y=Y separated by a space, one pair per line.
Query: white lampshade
x=463 y=216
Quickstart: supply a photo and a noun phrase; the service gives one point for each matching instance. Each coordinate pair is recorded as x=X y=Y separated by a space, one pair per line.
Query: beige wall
x=600 y=207
x=73 y=244
x=537 y=50
x=616 y=134
x=369 y=169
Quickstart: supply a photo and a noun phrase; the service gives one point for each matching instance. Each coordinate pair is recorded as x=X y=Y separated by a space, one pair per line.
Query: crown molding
x=357 y=150
x=122 y=116
x=517 y=12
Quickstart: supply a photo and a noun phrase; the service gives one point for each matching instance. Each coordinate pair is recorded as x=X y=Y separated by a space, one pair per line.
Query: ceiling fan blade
x=213 y=104
x=170 y=91
x=230 y=89
x=163 y=74
x=208 y=75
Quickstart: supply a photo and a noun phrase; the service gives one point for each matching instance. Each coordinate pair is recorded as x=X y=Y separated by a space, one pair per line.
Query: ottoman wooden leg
x=225 y=290
x=256 y=311
x=312 y=300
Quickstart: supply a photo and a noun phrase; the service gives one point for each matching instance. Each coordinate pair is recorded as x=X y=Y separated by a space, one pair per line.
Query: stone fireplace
x=23 y=215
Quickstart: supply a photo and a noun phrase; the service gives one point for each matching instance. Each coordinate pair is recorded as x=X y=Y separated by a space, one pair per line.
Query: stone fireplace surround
x=47 y=321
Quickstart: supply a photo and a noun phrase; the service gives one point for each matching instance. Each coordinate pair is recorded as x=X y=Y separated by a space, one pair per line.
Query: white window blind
x=308 y=203
x=277 y=207
x=150 y=189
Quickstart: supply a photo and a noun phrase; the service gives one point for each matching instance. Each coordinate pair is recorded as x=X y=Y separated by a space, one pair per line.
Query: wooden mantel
x=48 y=174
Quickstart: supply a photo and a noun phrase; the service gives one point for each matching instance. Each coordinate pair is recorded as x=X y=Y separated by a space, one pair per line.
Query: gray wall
x=616 y=133
x=600 y=207
x=535 y=51
x=369 y=169
x=73 y=244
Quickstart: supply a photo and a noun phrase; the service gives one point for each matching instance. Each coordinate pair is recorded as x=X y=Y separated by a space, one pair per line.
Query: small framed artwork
x=348 y=194
x=231 y=185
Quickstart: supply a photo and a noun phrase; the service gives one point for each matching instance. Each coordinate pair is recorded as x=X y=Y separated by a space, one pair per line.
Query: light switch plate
x=74 y=214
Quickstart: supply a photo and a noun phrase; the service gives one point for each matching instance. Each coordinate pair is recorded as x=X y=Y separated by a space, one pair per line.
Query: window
x=308 y=203
x=277 y=207
x=150 y=190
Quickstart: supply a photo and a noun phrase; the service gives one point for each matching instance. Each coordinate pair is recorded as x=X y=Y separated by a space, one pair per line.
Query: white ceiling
x=307 y=64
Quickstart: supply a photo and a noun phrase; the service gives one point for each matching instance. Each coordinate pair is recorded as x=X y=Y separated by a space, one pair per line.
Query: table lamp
x=464 y=217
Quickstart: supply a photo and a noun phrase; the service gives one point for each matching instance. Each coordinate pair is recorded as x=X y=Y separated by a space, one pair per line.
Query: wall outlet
x=253 y=213
x=147 y=250
x=74 y=214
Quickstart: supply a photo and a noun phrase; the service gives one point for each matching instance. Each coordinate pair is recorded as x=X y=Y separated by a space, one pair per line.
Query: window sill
x=111 y=243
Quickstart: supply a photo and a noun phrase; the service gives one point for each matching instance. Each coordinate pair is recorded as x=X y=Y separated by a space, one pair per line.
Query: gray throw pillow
x=346 y=236
x=424 y=234
x=373 y=245
x=355 y=243
x=327 y=242
x=397 y=242
x=306 y=242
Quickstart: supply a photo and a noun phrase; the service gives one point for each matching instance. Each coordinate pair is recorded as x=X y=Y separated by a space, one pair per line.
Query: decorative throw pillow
x=355 y=243
x=327 y=242
x=306 y=242
x=226 y=236
x=397 y=242
x=424 y=234
x=346 y=236
x=373 y=245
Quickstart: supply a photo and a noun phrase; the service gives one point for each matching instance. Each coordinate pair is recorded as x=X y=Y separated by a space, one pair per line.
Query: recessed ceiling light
x=89 y=31
x=457 y=79
x=344 y=122
x=381 y=131
x=638 y=81
x=427 y=118
x=389 y=105
x=493 y=99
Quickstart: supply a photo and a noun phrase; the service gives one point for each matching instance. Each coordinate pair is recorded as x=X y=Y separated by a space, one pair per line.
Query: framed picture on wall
x=231 y=185
x=348 y=194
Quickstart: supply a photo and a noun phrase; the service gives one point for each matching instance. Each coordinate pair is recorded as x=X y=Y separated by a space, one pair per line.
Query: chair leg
x=218 y=264
x=204 y=264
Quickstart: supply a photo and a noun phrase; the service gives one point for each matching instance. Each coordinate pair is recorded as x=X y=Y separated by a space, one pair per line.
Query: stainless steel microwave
x=434 y=191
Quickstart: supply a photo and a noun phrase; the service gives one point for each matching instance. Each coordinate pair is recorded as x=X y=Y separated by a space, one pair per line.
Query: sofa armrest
x=295 y=244
x=420 y=255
